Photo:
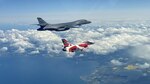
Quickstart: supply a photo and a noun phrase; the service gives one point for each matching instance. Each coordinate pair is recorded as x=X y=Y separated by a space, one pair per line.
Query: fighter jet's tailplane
x=72 y=48
x=60 y=26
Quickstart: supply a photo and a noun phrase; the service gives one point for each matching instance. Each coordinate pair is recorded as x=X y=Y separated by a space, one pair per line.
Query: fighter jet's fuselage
x=61 y=26
x=72 y=48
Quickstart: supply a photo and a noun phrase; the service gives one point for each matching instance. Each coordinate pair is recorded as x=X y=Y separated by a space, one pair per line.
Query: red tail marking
x=65 y=42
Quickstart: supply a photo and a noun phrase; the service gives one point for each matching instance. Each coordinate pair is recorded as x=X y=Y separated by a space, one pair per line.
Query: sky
x=65 y=10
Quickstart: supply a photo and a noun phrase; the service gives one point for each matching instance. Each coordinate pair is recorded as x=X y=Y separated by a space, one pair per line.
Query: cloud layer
x=107 y=38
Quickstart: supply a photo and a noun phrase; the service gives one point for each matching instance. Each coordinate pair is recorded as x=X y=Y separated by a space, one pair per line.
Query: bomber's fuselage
x=63 y=26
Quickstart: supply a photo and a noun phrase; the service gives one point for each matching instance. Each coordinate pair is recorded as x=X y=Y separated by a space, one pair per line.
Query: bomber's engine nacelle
x=40 y=29
x=67 y=28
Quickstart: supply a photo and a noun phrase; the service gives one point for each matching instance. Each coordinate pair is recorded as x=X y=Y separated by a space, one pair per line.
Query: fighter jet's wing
x=88 y=42
x=85 y=44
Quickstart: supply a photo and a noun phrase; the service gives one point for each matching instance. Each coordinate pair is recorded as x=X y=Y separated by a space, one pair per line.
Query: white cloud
x=143 y=66
x=31 y=39
x=3 y=49
x=20 y=50
x=35 y=52
x=141 y=51
x=116 y=62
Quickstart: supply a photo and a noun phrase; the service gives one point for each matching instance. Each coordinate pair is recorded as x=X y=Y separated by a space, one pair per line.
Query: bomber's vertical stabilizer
x=41 y=22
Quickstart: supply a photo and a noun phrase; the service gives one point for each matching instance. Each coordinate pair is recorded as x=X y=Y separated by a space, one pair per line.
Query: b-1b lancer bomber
x=60 y=26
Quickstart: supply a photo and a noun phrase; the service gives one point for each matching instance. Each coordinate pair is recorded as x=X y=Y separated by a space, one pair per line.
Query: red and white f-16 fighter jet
x=72 y=48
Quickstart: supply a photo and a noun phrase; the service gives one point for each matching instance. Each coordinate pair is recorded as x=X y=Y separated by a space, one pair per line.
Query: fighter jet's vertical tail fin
x=66 y=43
x=41 y=22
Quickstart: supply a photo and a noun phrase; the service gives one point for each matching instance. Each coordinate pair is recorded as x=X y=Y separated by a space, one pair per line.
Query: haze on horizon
x=26 y=11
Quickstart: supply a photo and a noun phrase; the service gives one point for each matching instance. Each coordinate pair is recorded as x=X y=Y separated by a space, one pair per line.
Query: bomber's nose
x=89 y=22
